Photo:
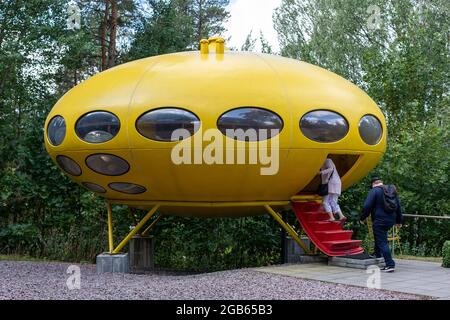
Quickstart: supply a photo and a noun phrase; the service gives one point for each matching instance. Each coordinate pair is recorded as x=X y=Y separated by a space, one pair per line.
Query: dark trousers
x=380 y=233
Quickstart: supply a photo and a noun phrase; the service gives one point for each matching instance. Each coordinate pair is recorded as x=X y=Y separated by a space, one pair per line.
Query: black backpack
x=390 y=198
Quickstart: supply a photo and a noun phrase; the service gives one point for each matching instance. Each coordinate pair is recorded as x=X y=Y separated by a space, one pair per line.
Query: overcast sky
x=253 y=15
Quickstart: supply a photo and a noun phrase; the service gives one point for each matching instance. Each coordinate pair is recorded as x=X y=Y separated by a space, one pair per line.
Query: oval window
x=370 y=130
x=107 y=164
x=250 y=124
x=94 y=187
x=69 y=165
x=56 y=130
x=324 y=126
x=161 y=124
x=97 y=127
x=128 y=188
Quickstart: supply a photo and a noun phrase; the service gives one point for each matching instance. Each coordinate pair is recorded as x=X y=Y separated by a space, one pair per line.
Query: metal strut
x=110 y=228
x=157 y=205
x=288 y=228
x=135 y=229
x=150 y=227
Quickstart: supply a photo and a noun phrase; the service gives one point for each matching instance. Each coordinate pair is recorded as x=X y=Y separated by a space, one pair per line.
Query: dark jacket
x=374 y=206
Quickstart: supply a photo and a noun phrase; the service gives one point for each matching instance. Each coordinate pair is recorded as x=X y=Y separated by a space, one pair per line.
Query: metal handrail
x=425 y=216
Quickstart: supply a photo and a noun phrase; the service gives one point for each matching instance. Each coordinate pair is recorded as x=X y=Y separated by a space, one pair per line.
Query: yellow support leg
x=288 y=228
x=110 y=228
x=150 y=227
x=136 y=229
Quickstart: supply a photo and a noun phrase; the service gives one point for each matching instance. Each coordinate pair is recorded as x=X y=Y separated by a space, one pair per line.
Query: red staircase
x=328 y=236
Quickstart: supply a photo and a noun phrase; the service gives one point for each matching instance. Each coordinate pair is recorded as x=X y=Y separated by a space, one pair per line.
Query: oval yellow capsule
x=213 y=126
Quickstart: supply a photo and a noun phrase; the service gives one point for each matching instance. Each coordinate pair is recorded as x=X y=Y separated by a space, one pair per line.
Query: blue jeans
x=380 y=233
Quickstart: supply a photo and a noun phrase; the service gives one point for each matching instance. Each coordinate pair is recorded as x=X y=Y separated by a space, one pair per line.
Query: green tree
x=209 y=17
x=398 y=52
x=249 y=44
x=41 y=211
x=177 y=25
x=401 y=62
x=265 y=45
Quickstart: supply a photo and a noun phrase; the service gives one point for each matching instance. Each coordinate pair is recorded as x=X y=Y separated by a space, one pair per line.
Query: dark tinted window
x=94 y=187
x=324 y=126
x=69 y=165
x=161 y=123
x=97 y=127
x=107 y=164
x=128 y=188
x=370 y=130
x=250 y=124
x=56 y=130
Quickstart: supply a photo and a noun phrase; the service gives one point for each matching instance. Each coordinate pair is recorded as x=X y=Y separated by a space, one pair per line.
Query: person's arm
x=399 y=213
x=368 y=205
x=326 y=171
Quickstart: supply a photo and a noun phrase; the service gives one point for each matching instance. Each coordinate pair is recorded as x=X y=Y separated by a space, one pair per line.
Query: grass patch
x=429 y=259
x=16 y=257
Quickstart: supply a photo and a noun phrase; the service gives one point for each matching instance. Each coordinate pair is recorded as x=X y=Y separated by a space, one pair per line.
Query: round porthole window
x=107 y=164
x=160 y=124
x=370 y=129
x=69 y=165
x=94 y=187
x=97 y=127
x=128 y=188
x=324 y=126
x=250 y=124
x=56 y=130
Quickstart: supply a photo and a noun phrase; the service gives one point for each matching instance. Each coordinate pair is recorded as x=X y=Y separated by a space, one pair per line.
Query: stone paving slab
x=410 y=276
x=355 y=263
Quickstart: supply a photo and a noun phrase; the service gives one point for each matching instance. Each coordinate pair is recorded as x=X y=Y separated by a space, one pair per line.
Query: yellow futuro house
x=112 y=133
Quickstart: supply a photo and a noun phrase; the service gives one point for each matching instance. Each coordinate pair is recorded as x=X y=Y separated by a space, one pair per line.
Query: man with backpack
x=383 y=205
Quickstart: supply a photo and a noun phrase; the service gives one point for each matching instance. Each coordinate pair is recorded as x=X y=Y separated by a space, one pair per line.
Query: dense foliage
x=403 y=65
x=446 y=254
x=398 y=52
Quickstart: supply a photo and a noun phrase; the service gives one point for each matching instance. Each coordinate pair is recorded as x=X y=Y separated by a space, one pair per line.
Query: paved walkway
x=415 y=277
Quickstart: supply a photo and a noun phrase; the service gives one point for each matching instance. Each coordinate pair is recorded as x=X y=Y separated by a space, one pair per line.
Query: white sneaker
x=388 y=269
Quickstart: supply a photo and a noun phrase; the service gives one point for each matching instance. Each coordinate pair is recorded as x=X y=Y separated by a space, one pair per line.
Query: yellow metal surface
x=208 y=83
x=204 y=46
x=110 y=228
x=206 y=209
x=201 y=204
x=395 y=238
x=306 y=198
x=135 y=229
x=152 y=225
x=288 y=228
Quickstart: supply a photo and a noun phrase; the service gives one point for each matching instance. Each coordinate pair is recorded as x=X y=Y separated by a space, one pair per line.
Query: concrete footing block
x=142 y=254
x=312 y=259
x=295 y=254
x=113 y=263
x=355 y=263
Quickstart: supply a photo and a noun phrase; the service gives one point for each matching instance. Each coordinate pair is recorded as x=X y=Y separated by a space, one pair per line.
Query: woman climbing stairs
x=328 y=236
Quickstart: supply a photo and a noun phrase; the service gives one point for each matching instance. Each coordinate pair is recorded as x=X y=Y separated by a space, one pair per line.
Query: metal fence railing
x=395 y=237
x=426 y=216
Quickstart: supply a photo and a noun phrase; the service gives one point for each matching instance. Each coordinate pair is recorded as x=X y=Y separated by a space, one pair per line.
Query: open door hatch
x=343 y=162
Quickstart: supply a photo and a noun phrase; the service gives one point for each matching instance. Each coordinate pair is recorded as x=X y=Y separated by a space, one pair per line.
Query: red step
x=324 y=225
x=331 y=235
x=328 y=236
x=311 y=206
x=342 y=244
x=316 y=216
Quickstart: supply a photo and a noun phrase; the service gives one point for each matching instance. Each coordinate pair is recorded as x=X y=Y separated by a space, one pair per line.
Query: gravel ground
x=40 y=280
